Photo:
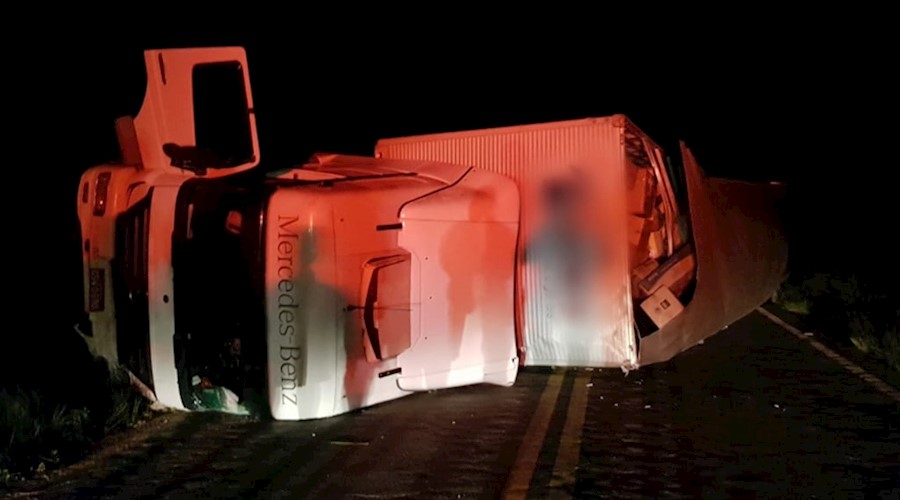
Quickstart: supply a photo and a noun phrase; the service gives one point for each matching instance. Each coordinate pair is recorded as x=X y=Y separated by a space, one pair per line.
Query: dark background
x=808 y=101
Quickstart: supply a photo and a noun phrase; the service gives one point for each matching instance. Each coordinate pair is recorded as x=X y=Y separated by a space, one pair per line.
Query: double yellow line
x=564 y=468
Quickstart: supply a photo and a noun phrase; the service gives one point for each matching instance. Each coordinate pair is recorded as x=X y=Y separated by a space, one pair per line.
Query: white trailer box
x=573 y=290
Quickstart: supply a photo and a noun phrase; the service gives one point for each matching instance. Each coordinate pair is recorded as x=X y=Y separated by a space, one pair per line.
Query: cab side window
x=221 y=114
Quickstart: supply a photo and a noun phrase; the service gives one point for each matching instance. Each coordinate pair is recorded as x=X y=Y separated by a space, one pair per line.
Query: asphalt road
x=754 y=411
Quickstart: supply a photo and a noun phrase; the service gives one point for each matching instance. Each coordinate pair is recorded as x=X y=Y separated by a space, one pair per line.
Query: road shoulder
x=871 y=364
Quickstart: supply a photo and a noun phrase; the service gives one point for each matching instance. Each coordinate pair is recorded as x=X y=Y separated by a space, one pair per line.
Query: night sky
x=760 y=103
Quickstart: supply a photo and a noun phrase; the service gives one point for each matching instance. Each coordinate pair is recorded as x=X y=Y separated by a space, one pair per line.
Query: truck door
x=197 y=113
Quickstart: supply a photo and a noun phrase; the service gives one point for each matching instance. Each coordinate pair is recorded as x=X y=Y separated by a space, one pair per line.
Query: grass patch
x=40 y=431
x=848 y=307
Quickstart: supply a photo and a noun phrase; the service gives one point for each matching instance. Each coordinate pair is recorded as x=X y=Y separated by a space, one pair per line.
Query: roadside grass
x=848 y=307
x=41 y=431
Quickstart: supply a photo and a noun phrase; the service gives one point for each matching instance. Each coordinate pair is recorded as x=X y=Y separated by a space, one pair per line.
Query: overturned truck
x=445 y=260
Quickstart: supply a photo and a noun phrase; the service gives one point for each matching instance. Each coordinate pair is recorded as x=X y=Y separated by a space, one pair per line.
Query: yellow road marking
x=526 y=460
x=565 y=468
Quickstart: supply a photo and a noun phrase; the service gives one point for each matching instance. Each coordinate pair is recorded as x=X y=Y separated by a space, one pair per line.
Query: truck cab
x=196 y=122
x=313 y=290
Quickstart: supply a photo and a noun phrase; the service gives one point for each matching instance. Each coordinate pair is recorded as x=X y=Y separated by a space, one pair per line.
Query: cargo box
x=596 y=203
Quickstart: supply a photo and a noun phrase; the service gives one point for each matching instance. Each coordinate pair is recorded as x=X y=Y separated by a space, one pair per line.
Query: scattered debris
x=703 y=341
x=453 y=422
x=313 y=434
x=808 y=334
x=589 y=384
x=646 y=407
x=589 y=369
x=776 y=406
x=350 y=443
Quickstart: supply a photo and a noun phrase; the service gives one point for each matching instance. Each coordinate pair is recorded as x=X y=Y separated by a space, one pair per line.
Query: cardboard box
x=639 y=273
x=642 y=194
x=638 y=233
x=662 y=306
x=675 y=274
x=656 y=244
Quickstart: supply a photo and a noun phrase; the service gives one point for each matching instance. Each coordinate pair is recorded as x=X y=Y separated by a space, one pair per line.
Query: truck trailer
x=625 y=257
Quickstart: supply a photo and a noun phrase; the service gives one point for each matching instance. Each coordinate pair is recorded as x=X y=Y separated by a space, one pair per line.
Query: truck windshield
x=219 y=296
x=130 y=285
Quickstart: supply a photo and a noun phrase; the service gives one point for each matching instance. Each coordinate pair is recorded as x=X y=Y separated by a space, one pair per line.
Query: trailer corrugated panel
x=573 y=287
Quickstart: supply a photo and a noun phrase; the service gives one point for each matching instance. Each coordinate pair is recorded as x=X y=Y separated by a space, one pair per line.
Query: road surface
x=754 y=411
